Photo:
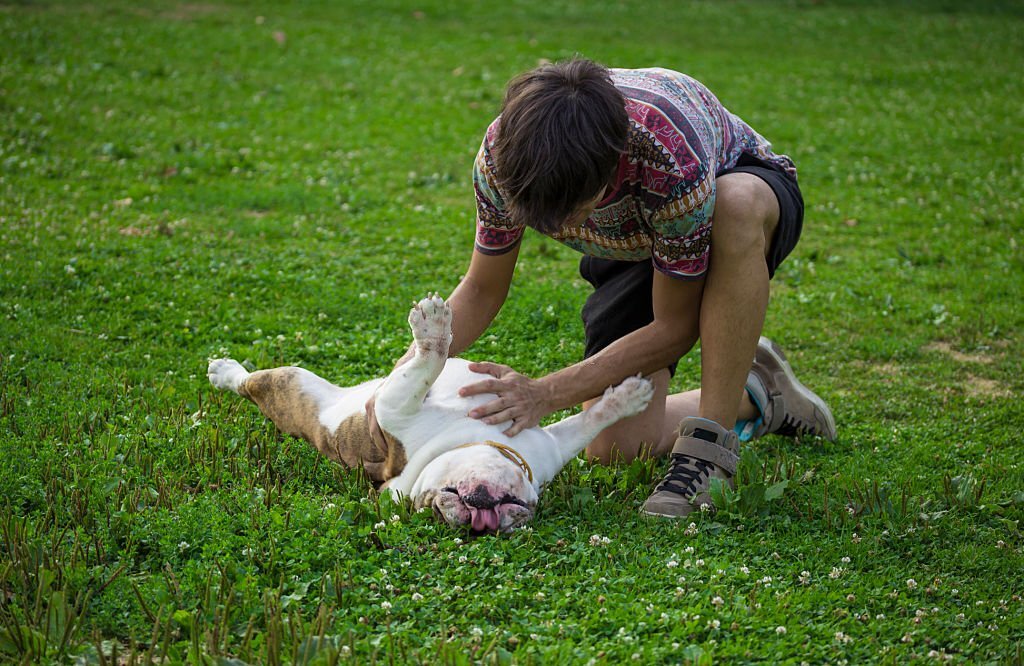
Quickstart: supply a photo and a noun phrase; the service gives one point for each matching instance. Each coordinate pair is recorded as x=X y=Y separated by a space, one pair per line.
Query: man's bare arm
x=671 y=335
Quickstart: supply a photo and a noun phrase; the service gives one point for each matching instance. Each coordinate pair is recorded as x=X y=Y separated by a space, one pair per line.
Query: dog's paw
x=431 y=324
x=226 y=374
x=628 y=398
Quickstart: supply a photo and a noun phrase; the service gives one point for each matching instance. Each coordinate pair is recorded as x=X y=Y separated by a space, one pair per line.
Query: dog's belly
x=443 y=404
x=444 y=394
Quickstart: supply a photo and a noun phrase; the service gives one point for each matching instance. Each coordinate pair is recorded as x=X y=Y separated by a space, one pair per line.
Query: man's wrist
x=549 y=394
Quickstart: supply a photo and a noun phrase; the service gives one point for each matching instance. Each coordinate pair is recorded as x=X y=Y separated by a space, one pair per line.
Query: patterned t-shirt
x=661 y=202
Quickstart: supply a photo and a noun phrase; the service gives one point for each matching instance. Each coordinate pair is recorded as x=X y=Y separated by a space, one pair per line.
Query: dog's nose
x=480 y=498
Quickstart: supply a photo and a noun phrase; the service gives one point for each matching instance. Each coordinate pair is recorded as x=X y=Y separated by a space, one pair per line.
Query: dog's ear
x=425 y=498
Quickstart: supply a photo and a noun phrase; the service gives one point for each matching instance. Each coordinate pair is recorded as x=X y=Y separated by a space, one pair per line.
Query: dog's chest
x=443 y=411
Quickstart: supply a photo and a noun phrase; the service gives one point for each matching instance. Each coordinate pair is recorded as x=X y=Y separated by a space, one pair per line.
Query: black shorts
x=621 y=302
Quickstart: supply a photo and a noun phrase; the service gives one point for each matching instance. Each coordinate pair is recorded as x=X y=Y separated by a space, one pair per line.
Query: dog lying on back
x=467 y=471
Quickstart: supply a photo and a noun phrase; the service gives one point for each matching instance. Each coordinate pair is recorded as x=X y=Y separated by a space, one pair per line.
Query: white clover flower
x=379 y=526
x=717 y=602
x=462 y=559
x=780 y=630
x=395 y=518
x=476 y=631
x=539 y=596
x=698 y=563
x=672 y=564
x=714 y=624
x=691 y=529
x=911 y=584
x=386 y=605
x=845 y=560
x=837 y=572
x=842 y=638
x=805 y=577
x=688 y=550
x=457 y=541
x=183 y=546
x=416 y=596
x=745 y=570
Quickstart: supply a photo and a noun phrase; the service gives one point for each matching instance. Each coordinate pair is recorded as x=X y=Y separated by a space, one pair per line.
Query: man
x=682 y=213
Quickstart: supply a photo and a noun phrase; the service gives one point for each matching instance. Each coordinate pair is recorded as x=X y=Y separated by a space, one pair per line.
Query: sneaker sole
x=673 y=516
x=767 y=346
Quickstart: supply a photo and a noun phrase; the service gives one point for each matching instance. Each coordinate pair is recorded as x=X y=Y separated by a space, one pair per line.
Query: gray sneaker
x=703 y=451
x=787 y=407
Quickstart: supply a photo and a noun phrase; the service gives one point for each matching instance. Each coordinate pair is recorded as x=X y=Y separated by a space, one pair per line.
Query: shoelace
x=793 y=426
x=683 y=474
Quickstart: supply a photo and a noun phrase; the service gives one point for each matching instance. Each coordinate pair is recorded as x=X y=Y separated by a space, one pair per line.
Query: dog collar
x=507 y=451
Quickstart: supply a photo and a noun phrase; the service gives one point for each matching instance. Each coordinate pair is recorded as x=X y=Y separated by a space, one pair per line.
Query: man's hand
x=521 y=400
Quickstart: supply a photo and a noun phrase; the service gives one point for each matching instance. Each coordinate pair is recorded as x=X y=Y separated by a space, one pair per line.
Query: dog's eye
x=449 y=489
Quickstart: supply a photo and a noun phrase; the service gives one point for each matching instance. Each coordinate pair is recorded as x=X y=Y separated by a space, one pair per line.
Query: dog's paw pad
x=628 y=398
x=226 y=374
x=431 y=322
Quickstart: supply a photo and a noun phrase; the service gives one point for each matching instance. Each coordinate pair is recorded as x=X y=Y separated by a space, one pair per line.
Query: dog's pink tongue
x=484 y=519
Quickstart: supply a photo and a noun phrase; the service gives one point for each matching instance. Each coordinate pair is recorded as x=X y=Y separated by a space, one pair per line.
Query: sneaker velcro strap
x=708 y=452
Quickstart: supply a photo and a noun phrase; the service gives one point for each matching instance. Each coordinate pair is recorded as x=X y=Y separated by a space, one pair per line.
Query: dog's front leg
x=401 y=395
x=574 y=433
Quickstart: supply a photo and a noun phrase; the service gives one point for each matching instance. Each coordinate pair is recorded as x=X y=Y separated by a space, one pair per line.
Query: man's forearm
x=644 y=351
x=473 y=310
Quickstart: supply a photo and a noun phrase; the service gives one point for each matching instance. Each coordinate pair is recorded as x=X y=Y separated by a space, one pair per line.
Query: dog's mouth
x=485 y=513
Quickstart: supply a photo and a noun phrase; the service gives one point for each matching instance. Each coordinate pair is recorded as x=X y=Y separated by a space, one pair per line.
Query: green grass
x=277 y=182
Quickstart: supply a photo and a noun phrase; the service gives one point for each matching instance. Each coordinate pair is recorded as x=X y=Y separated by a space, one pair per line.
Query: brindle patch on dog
x=278 y=394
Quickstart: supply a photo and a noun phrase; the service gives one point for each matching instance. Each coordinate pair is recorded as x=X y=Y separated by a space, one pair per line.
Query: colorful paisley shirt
x=662 y=200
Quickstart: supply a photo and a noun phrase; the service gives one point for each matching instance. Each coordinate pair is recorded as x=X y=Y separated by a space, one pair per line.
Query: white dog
x=467 y=471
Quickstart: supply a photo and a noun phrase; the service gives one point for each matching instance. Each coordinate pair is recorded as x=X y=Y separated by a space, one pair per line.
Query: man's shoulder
x=649 y=78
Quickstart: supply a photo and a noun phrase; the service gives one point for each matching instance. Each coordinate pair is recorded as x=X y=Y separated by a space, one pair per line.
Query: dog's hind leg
x=293 y=398
x=402 y=393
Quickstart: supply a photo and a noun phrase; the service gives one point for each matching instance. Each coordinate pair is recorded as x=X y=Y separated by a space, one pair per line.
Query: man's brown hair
x=563 y=128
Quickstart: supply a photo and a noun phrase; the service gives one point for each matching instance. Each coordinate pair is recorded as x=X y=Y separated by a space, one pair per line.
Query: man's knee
x=606 y=451
x=746 y=214
x=621 y=445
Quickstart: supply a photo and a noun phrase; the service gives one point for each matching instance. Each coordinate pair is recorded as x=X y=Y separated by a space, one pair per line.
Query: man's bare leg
x=736 y=294
x=732 y=313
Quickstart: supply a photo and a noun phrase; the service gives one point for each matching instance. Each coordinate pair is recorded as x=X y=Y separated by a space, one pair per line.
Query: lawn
x=277 y=182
